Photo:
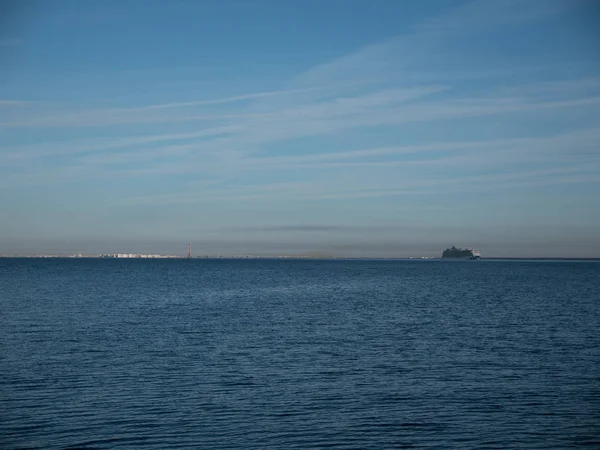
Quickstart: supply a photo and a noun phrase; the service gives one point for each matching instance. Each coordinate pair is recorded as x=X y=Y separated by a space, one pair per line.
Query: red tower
x=189 y=250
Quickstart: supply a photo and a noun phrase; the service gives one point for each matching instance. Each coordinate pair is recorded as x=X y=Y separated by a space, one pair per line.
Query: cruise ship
x=461 y=253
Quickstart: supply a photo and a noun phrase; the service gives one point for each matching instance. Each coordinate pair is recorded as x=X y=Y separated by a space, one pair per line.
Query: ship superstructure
x=461 y=253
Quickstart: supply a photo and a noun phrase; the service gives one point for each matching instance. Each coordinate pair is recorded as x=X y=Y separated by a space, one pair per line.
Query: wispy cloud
x=377 y=185
x=101 y=145
x=491 y=15
x=488 y=152
x=427 y=47
x=391 y=85
x=12 y=103
x=218 y=101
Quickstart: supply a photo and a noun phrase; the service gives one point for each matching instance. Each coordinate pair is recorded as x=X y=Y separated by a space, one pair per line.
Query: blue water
x=174 y=354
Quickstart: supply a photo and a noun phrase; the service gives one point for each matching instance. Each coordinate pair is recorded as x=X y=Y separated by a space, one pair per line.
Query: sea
x=299 y=353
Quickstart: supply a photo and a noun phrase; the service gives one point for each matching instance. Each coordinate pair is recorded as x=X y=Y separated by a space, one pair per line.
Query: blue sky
x=338 y=127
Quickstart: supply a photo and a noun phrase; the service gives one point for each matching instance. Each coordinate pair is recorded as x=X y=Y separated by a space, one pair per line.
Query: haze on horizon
x=351 y=128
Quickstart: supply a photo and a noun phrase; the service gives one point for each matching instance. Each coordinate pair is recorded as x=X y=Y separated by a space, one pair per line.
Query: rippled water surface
x=174 y=354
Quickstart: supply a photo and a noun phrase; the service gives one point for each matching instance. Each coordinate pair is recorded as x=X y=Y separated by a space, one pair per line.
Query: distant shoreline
x=301 y=257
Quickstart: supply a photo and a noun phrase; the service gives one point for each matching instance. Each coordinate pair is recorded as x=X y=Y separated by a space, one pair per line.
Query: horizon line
x=283 y=256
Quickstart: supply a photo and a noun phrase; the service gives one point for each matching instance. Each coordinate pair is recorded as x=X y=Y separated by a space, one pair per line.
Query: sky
x=306 y=127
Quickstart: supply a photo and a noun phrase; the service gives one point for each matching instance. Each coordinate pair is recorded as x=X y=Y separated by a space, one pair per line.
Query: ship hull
x=462 y=258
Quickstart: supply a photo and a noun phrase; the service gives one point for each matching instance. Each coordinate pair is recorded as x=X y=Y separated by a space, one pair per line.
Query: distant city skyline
x=365 y=128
